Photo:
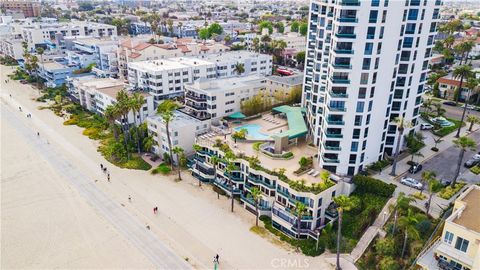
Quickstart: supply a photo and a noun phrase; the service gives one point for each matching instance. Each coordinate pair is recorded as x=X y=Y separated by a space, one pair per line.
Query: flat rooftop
x=226 y=84
x=294 y=79
x=231 y=55
x=157 y=65
x=179 y=119
x=470 y=217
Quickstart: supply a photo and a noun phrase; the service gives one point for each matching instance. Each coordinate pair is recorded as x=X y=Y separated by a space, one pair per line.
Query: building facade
x=28 y=8
x=458 y=247
x=215 y=99
x=366 y=65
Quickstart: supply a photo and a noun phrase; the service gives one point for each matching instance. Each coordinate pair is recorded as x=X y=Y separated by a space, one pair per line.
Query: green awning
x=237 y=115
x=296 y=123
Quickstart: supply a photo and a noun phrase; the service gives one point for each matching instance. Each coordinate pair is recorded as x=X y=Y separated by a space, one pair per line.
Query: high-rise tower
x=366 y=64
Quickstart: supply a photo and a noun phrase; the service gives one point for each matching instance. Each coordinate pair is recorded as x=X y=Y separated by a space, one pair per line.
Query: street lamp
x=318 y=239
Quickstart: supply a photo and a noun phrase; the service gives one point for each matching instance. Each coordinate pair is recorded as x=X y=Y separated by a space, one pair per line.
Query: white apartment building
x=10 y=46
x=215 y=99
x=138 y=50
x=293 y=40
x=366 y=65
x=276 y=83
x=96 y=94
x=183 y=131
x=166 y=78
x=46 y=32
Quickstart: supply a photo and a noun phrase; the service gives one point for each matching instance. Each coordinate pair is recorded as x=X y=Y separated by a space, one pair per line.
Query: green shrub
x=475 y=169
x=163 y=168
x=307 y=246
x=385 y=246
x=379 y=165
x=256 y=146
x=449 y=192
x=447 y=130
x=388 y=263
x=287 y=155
x=436 y=186
x=367 y=184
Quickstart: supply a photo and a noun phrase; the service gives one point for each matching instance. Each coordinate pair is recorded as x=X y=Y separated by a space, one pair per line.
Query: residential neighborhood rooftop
x=469 y=217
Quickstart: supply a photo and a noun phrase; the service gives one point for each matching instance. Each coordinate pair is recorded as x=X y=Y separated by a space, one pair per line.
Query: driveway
x=445 y=163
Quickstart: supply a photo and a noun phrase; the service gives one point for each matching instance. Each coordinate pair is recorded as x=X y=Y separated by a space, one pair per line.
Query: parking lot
x=445 y=163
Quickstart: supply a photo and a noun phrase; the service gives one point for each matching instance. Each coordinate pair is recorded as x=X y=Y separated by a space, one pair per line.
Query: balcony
x=332 y=148
x=197 y=107
x=336 y=109
x=196 y=98
x=329 y=27
x=343 y=51
x=350 y=3
x=340 y=80
x=330 y=160
x=342 y=66
x=347 y=19
x=345 y=35
x=338 y=95
x=334 y=135
x=250 y=201
x=335 y=122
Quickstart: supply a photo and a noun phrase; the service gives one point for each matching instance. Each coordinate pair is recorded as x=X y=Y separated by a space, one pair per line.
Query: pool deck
x=267 y=127
x=244 y=147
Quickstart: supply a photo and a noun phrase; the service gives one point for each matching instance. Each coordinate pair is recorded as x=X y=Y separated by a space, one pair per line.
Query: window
x=413 y=14
x=373 y=16
x=366 y=63
x=461 y=244
x=362 y=92
x=371 y=33
x=360 y=106
x=448 y=237
x=368 y=48
x=354 y=147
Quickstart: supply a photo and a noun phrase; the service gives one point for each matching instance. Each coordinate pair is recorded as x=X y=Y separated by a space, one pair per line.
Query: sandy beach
x=58 y=210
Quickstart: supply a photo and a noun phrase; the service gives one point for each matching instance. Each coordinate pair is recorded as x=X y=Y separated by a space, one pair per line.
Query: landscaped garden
x=408 y=229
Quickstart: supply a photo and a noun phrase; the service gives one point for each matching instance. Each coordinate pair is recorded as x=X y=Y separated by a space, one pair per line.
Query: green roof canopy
x=296 y=123
x=237 y=115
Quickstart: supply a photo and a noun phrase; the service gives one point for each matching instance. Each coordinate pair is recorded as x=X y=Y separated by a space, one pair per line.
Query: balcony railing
x=333 y=135
x=336 y=109
x=347 y=19
x=345 y=35
x=335 y=122
x=340 y=80
x=342 y=66
x=343 y=51
x=252 y=203
x=338 y=95
x=350 y=3
x=330 y=160
x=333 y=148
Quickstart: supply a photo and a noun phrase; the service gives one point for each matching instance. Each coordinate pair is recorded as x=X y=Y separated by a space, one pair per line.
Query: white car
x=426 y=126
x=476 y=157
x=470 y=107
x=408 y=181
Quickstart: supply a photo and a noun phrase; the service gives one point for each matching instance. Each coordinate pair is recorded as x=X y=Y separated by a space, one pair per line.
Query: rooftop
x=157 y=65
x=292 y=80
x=226 y=84
x=231 y=55
x=179 y=119
x=469 y=217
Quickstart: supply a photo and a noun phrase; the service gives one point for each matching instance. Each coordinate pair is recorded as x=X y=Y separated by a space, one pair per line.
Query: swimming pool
x=253 y=131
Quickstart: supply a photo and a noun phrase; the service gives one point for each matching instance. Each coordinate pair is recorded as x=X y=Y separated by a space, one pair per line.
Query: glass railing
x=333 y=148
x=342 y=66
x=330 y=160
x=345 y=35
x=338 y=95
x=333 y=135
x=343 y=51
x=350 y=3
x=340 y=80
x=335 y=122
x=347 y=19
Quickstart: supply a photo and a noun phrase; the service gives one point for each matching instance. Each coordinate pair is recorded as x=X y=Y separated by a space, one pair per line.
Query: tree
x=136 y=103
x=436 y=89
x=166 y=109
x=300 y=57
x=229 y=169
x=239 y=68
x=429 y=178
x=408 y=223
x=401 y=205
x=343 y=203
x=439 y=110
x=300 y=210
x=197 y=148
x=40 y=52
x=122 y=25
x=437 y=140
x=401 y=124
x=123 y=107
x=465 y=144
x=265 y=24
x=414 y=144
x=294 y=26
x=472 y=119
x=256 y=194
x=214 y=161
x=111 y=114
x=462 y=72
x=388 y=263
x=279 y=27
x=463 y=49
x=203 y=34
x=427 y=105
x=303 y=28
x=256 y=44
x=215 y=28
x=177 y=150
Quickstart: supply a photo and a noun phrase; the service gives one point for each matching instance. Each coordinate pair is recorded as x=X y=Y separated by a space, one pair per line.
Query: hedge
x=367 y=184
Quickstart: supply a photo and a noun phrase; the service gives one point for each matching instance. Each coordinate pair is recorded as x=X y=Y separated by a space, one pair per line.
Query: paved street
x=456 y=112
x=444 y=164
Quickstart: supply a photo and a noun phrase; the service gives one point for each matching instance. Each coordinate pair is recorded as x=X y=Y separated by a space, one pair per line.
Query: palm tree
x=197 y=148
x=148 y=143
x=177 y=150
x=464 y=143
x=256 y=194
x=464 y=49
x=401 y=124
x=230 y=167
x=437 y=140
x=136 y=104
x=401 y=205
x=300 y=210
x=427 y=106
x=255 y=44
x=239 y=68
x=429 y=178
x=408 y=223
x=439 y=110
x=40 y=52
x=165 y=109
x=123 y=108
x=214 y=161
x=462 y=72
x=472 y=119
x=111 y=115
x=343 y=203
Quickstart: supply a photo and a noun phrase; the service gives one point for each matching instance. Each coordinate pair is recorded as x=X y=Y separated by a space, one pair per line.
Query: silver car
x=408 y=181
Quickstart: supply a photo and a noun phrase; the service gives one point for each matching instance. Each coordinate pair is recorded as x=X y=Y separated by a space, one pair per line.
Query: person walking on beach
x=38 y=133
x=108 y=177
x=129 y=198
x=101 y=166
x=216 y=258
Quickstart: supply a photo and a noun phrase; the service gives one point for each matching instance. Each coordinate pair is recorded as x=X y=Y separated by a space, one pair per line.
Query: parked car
x=471 y=162
x=426 y=126
x=476 y=156
x=449 y=103
x=415 y=167
x=469 y=106
x=445 y=182
x=408 y=181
